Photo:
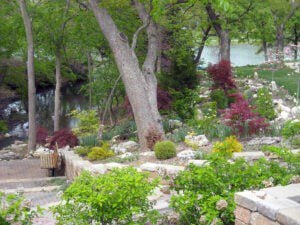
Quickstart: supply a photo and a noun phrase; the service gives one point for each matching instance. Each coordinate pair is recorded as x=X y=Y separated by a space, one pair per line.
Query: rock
x=147 y=154
x=161 y=168
x=274 y=86
x=125 y=155
x=221 y=204
x=165 y=190
x=199 y=140
x=264 y=141
x=41 y=150
x=18 y=142
x=175 y=124
x=186 y=154
x=8 y=155
x=198 y=162
x=128 y=146
x=66 y=148
x=7 y=135
x=249 y=156
x=296 y=112
x=256 y=75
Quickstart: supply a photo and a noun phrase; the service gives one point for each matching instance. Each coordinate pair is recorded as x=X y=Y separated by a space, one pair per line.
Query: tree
x=31 y=77
x=140 y=82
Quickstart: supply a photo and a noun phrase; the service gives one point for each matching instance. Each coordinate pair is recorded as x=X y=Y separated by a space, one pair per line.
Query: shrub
x=201 y=189
x=209 y=110
x=89 y=141
x=41 y=135
x=184 y=103
x=228 y=146
x=291 y=129
x=13 y=210
x=221 y=74
x=179 y=134
x=83 y=151
x=264 y=104
x=219 y=96
x=3 y=126
x=124 y=131
x=165 y=150
x=62 y=138
x=88 y=122
x=118 y=197
x=99 y=153
x=242 y=119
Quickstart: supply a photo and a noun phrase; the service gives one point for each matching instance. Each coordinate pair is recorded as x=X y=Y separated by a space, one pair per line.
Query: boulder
x=264 y=141
x=128 y=146
x=274 y=86
x=296 y=112
x=199 y=140
x=41 y=150
x=125 y=155
x=186 y=154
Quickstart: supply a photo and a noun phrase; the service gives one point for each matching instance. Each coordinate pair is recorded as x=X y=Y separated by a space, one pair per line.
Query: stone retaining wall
x=271 y=206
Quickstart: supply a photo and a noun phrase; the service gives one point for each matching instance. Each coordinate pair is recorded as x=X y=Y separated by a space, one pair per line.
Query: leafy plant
x=14 y=210
x=88 y=122
x=83 y=151
x=89 y=141
x=3 y=126
x=219 y=96
x=178 y=135
x=264 y=105
x=118 y=197
x=41 y=135
x=165 y=150
x=291 y=129
x=99 y=153
x=62 y=138
x=221 y=74
x=124 y=131
x=206 y=194
x=228 y=146
x=242 y=119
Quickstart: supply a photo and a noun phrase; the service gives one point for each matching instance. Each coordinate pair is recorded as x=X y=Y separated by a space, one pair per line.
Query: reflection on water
x=70 y=99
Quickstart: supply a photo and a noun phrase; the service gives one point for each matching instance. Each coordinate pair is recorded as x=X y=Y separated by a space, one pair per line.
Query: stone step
x=31 y=182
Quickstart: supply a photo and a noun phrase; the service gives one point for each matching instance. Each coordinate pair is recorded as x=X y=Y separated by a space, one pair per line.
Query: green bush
x=83 y=151
x=202 y=189
x=228 y=146
x=209 y=110
x=118 y=197
x=178 y=135
x=165 y=150
x=88 y=122
x=13 y=210
x=3 y=126
x=89 y=141
x=125 y=130
x=220 y=98
x=264 y=104
x=291 y=129
x=99 y=153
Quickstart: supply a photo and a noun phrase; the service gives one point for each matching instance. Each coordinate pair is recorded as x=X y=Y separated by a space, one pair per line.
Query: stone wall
x=271 y=206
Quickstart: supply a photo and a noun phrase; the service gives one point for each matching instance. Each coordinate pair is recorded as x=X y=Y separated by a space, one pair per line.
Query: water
x=71 y=99
x=241 y=55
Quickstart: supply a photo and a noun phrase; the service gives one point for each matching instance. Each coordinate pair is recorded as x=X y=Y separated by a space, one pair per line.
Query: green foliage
x=179 y=134
x=291 y=129
x=292 y=160
x=83 y=151
x=220 y=98
x=3 y=126
x=124 y=130
x=88 y=122
x=228 y=146
x=184 y=103
x=164 y=150
x=264 y=104
x=113 y=198
x=13 y=210
x=200 y=189
x=209 y=110
x=100 y=153
x=89 y=141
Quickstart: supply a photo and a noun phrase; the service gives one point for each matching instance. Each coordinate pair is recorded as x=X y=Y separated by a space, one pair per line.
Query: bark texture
x=57 y=90
x=31 y=77
x=140 y=83
x=222 y=33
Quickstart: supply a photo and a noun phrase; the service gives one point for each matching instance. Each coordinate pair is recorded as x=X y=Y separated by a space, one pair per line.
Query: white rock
x=296 y=111
x=7 y=135
x=198 y=162
x=155 y=167
x=256 y=75
x=148 y=153
x=199 y=140
x=274 y=86
x=125 y=155
x=186 y=154
x=128 y=146
x=264 y=141
x=249 y=156
x=42 y=150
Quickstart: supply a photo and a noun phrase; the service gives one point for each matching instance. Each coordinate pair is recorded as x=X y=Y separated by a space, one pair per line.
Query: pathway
x=27 y=177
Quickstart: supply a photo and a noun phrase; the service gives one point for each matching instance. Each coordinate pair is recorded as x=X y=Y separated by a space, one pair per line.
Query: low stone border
x=271 y=206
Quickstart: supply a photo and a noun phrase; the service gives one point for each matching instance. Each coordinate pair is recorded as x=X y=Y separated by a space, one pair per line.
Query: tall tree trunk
x=222 y=34
x=57 y=90
x=296 y=40
x=90 y=71
x=265 y=48
x=225 y=45
x=31 y=77
x=280 y=41
x=140 y=83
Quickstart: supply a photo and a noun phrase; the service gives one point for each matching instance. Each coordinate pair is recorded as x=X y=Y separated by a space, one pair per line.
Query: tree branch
x=136 y=34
